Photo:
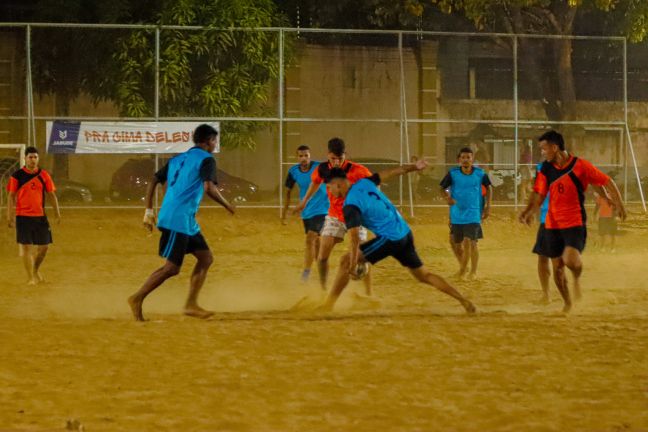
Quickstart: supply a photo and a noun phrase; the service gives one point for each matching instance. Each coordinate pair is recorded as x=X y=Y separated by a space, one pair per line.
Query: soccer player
x=565 y=178
x=607 y=224
x=544 y=266
x=365 y=205
x=334 y=229
x=462 y=187
x=27 y=189
x=188 y=176
x=315 y=212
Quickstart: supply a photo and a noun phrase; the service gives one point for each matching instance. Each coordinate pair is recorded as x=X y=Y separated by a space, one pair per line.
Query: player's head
x=31 y=157
x=303 y=155
x=337 y=183
x=206 y=137
x=336 y=152
x=551 y=143
x=465 y=157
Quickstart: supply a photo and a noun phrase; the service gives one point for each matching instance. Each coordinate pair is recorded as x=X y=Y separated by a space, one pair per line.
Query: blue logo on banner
x=64 y=137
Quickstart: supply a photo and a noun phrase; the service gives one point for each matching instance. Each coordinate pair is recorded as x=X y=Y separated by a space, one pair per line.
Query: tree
x=211 y=73
x=549 y=17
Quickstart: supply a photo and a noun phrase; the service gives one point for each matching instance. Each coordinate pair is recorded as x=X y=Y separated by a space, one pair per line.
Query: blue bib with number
x=183 y=192
x=378 y=213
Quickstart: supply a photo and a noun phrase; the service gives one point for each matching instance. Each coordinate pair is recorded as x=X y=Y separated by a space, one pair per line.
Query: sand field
x=70 y=350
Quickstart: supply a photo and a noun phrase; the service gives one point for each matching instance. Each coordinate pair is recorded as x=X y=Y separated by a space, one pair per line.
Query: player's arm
x=537 y=197
x=11 y=206
x=309 y=194
x=596 y=177
x=208 y=176
x=445 y=184
x=159 y=177
x=55 y=205
x=212 y=192
x=615 y=195
x=487 y=204
x=535 y=201
x=290 y=183
x=284 y=212
x=403 y=169
x=353 y=220
x=489 y=195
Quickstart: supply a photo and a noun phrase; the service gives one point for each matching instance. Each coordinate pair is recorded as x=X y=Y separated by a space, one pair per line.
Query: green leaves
x=217 y=72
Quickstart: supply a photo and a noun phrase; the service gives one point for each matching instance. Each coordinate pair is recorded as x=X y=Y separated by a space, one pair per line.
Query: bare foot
x=305 y=304
x=198 y=312
x=365 y=302
x=567 y=308
x=472 y=276
x=32 y=282
x=544 y=300
x=39 y=277
x=323 y=308
x=460 y=275
x=470 y=308
x=136 y=308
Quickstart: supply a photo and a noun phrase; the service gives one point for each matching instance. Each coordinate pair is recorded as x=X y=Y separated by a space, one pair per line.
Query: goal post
x=12 y=157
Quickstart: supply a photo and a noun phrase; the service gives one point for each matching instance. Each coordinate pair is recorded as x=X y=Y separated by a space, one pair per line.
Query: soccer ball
x=361 y=270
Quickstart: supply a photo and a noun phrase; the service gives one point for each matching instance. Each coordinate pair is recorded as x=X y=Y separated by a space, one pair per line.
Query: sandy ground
x=69 y=349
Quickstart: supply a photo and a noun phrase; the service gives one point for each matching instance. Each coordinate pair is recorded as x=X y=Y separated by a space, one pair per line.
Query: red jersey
x=30 y=188
x=566 y=188
x=354 y=173
x=605 y=209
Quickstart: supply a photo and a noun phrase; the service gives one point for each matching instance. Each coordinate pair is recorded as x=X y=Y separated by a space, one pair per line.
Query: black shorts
x=607 y=226
x=314 y=224
x=174 y=245
x=33 y=230
x=403 y=250
x=473 y=231
x=557 y=239
x=540 y=246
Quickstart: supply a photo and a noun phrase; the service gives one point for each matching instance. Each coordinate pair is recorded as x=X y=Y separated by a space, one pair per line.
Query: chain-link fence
x=393 y=96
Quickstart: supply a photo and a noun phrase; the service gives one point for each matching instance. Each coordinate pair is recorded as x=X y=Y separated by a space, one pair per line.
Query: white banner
x=121 y=137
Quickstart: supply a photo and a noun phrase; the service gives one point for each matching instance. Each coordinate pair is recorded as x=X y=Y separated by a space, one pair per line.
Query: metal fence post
x=516 y=115
x=157 y=103
x=281 y=115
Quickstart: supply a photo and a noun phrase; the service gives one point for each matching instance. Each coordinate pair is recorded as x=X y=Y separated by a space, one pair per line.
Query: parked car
x=68 y=191
x=130 y=181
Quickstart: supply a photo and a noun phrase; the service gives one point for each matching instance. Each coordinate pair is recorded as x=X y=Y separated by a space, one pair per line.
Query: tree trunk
x=565 y=75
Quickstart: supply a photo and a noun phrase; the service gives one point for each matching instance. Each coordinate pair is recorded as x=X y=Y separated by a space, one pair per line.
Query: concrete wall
x=357 y=82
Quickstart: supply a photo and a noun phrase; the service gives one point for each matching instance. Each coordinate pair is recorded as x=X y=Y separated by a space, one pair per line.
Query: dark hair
x=336 y=146
x=30 y=150
x=553 y=137
x=203 y=134
x=465 y=150
x=336 y=173
x=303 y=147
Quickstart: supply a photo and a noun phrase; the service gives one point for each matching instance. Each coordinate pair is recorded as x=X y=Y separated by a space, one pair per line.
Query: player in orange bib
x=565 y=178
x=27 y=189
x=334 y=227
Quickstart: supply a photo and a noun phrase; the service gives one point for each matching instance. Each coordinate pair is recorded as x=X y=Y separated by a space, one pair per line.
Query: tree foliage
x=215 y=72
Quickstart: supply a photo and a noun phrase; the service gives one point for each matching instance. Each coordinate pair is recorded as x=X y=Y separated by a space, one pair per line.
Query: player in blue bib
x=187 y=176
x=314 y=213
x=365 y=205
x=462 y=187
x=544 y=267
